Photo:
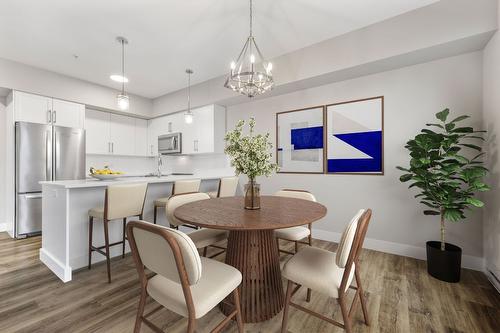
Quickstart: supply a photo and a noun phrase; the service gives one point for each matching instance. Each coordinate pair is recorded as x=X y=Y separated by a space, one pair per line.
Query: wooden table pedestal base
x=255 y=255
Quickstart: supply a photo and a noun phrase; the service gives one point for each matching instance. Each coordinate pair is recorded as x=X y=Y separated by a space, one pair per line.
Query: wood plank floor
x=401 y=298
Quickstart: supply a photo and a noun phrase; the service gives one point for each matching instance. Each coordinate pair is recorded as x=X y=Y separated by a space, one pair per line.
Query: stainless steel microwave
x=170 y=144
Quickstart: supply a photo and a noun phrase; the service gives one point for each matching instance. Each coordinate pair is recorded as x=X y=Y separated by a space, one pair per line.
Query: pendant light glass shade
x=188 y=115
x=122 y=99
x=250 y=74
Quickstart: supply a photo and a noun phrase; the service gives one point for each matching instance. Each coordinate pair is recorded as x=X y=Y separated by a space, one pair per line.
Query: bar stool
x=179 y=187
x=120 y=202
x=227 y=187
x=202 y=238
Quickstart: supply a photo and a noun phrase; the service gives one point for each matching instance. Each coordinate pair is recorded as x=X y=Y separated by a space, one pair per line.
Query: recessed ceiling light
x=118 y=78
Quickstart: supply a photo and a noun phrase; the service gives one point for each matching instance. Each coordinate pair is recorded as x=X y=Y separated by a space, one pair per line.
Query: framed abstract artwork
x=300 y=140
x=354 y=137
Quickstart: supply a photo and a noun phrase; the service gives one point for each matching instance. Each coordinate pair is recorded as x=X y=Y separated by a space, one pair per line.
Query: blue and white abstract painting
x=300 y=140
x=354 y=137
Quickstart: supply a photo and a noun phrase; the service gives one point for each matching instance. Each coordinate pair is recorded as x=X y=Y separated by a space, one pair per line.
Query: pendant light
x=250 y=75
x=122 y=99
x=188 y=116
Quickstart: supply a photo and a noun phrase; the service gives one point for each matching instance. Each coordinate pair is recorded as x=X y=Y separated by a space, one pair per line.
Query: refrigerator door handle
x=33 y=196
x=48 y=156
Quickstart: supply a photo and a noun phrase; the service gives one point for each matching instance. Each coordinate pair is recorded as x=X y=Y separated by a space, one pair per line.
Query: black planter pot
x=444 y=265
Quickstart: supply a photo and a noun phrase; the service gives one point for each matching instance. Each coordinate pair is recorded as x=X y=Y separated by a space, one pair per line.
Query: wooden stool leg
x=123 y=238
x=155 y=211
x=345 y=315
x=106 y=242
x=239 y=318
x=288 y=297
x=296 y=247
x=91 y=227
x=361 y=296
x=205 y=251
x=140 y=311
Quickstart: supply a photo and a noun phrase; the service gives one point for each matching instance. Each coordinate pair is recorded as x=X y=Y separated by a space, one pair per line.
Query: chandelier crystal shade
x=250 y=74
x=122 y=99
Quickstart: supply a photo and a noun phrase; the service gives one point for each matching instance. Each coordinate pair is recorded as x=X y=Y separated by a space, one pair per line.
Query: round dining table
x=252 y=247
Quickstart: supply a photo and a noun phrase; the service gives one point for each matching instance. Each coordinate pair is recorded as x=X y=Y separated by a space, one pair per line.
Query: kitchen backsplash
x=145 y=165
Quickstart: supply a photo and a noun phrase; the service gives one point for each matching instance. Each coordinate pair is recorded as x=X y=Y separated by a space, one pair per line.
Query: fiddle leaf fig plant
x=440 y=168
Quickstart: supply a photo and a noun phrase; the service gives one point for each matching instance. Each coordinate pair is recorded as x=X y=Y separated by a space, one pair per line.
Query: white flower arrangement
x=250 y=154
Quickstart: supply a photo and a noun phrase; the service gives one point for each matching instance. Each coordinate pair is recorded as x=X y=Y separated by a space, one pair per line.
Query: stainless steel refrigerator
x=43 y=152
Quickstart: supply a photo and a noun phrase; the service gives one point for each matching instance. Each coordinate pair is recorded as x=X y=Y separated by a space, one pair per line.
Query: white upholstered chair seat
x=217 y=281
x=206 y=237
x=161 y=202
x=315 y=268
x=293 y=234
x=97 y=212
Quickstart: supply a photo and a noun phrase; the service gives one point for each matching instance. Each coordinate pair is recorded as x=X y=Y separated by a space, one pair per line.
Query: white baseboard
x=59 y=269
x=471 y=262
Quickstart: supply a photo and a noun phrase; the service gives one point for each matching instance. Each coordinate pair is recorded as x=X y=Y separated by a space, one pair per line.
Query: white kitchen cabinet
x=68 y=114
x=122 y=135
x=32 y=108
x=97 y=132
x=156 y=127
x=206 y=134
x=141 y=137
x=46 y=110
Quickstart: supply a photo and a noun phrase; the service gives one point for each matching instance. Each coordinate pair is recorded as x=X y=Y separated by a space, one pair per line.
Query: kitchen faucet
x=160 y=163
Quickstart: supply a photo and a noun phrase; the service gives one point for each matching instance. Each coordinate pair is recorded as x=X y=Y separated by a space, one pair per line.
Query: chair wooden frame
x=107 y=245
x=179 y=261
x=155 y=208
x=353 y=260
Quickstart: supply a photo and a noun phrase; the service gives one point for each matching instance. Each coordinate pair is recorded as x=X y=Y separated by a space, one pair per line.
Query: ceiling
x=77 y=38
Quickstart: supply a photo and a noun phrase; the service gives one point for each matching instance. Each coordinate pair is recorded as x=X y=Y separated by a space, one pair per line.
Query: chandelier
x=250 y=75
x=122 y=99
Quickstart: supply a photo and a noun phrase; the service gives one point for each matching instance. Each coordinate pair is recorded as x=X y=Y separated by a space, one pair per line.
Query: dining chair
x=120 y=202
x=184 y=283
x=295 y=234
x=179 y=187
x=330 y=273
x=202 y=238
x=227 y=187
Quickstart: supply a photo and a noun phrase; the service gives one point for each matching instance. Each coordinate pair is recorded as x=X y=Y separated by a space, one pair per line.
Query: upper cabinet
x=112 y=134
x=46 y=110
x=204 y=136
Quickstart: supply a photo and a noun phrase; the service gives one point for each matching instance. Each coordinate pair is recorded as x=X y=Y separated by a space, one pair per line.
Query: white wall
x=412 y=96
x=14 y=75
x=2 y=164
x=491 y=91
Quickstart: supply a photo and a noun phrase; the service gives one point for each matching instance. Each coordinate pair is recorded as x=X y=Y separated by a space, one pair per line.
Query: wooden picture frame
x=309 y=158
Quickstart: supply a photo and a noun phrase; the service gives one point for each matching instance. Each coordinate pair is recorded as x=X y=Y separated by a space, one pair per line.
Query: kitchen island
x=65 y=207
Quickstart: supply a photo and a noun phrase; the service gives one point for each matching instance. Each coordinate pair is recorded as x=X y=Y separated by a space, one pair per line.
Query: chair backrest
x=297 y=194
x=186 y=186
x=228 y=187
x=167 y=252
x=124 y=200
x=179 y=200
x=351 y=244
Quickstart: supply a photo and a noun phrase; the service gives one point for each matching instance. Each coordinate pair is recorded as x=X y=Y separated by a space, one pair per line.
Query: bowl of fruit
x=105 y=174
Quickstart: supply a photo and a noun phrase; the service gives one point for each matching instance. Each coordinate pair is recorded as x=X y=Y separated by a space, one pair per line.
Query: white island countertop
x=91 y=182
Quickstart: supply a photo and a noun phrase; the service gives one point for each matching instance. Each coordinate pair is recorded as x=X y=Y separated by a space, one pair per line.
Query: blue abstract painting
x=355 y=137
x=300 y=140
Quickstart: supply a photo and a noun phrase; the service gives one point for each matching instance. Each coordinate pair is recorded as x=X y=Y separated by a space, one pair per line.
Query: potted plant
x=250 y=155
x=447 y=177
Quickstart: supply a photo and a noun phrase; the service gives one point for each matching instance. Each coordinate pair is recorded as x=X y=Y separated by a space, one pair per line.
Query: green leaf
x=449 y=126
x=405 y=178
x=436 y=125
x=471 y=146
x=463 y=130
x=459 y=119
x=431 y=212
x=452 y=214
x=443 y=115
x=402 y=169
x=475 y=202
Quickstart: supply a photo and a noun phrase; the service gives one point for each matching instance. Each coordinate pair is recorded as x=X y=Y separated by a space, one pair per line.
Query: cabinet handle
x=109 y=147
x=49 y=116
x=170 y=127
x=54 y=117
x=195 y=145
x=113 y=147
x=151 y=149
